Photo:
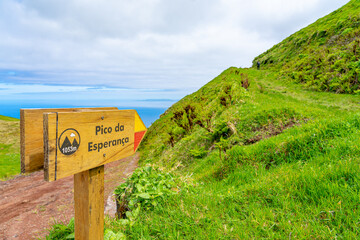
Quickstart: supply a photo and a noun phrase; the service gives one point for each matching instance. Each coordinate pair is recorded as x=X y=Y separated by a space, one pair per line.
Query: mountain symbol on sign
x=67 y=144
x=69 y=141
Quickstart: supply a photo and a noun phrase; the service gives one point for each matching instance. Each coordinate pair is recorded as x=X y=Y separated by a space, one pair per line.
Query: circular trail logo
x=69 y=141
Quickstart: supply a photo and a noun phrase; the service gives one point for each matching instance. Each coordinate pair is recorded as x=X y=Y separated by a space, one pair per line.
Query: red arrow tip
x=138 y=137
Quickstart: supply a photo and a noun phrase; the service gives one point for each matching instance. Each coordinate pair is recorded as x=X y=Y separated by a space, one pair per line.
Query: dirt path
x=29 y=205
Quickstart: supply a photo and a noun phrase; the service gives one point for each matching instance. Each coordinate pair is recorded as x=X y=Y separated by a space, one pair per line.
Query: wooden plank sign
x=79 y=144
x=31 y=135
x=78 y=141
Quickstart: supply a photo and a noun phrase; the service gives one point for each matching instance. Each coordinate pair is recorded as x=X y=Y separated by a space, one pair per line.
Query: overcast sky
x=149 y=49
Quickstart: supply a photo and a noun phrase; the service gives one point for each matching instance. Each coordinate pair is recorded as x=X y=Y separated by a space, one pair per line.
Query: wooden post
x=89 y=204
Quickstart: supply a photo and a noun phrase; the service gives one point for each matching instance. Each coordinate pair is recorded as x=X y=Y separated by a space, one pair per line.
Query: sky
x=146 y=53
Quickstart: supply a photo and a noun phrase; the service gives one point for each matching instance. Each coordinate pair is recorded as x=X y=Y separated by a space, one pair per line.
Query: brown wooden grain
x=49 y=147
x=89 y=204
x=31 y=135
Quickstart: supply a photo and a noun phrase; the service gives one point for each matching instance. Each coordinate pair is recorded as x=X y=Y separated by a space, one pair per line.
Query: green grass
x=9 y=162
x=313 y=195
x=323 y=56
x=9 y=147
x=295 y=182
x=302 y=183
x=313 y=200
x=6 y=118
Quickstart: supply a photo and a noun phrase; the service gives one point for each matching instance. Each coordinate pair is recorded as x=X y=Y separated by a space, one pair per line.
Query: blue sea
x=147 y=114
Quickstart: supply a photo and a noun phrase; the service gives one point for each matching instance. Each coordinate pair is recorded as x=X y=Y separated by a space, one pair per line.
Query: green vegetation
x=145 y=189
x=325 y=56
x=61 y=231
x=279 y=163
x=253 y=154
x=9 y=147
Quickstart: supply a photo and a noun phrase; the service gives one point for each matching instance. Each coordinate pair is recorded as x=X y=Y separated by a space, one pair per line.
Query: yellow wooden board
x=78 y=141
x=89 y=204
x=31 y=135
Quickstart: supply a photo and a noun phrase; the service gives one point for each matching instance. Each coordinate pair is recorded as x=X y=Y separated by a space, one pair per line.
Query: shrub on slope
x=218 y=116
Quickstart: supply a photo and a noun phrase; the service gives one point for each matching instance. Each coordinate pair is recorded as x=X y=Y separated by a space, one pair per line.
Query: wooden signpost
x=79 y=142
x=31 y=141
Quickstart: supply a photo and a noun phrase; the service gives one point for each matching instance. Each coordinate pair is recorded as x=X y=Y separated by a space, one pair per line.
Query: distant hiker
x=258 y=65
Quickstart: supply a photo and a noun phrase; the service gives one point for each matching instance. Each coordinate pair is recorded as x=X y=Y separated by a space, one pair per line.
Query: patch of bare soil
x=29 y=205
x=271 y=130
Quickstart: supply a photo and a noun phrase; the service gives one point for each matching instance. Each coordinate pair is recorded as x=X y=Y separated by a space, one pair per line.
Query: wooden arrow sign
x=79 y=144
x=31 y=135
x=78 y=141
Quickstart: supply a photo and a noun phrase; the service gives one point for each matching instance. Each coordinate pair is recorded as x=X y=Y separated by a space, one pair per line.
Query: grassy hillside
x=9 y=147
x=324 y=56
x=253 y=154
x=273 y=162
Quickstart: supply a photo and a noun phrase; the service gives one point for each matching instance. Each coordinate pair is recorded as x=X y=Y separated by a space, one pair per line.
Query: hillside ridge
x=324 y=56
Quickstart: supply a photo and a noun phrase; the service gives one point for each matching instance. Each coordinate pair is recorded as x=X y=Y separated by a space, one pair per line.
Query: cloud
x=159 y=44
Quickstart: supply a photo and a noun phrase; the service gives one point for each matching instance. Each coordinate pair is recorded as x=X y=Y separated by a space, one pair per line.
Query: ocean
x=147 y=114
